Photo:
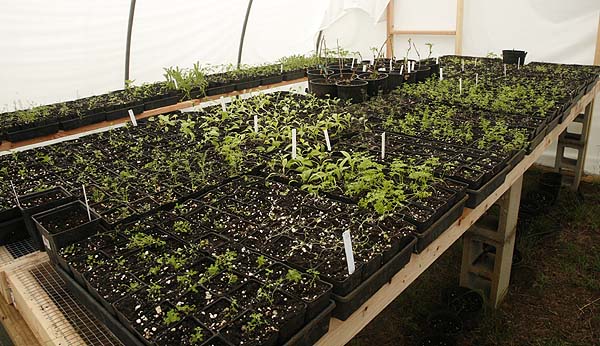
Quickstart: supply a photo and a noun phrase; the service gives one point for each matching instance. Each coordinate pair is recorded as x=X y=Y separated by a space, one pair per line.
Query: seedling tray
x=40 y=131
x=307 y=336
x=536 y=141
x=438 y=227
x=478 y=196
x=346 y=305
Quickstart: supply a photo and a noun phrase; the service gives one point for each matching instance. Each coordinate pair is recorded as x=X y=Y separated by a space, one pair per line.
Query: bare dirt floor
x=554 y=295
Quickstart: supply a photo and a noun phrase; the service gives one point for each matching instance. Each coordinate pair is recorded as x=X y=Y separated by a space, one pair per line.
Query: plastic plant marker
x=132 y=117
x=408 y=68
x=281 y=68
x=364 y=68
x=223 y=106
x=519 y=63
x=255 y=122
x=412 y=68
x=401 y=69
x=87 y=204
x=460 y=86
x=352 y=66
x=476 y=79
x=437 y=60
x=294 y=149
x=383 y=146
x=504 y=70
x=441 y=73
x=349 y=252
x=463 y=65
x=15 y=193
x=326 y=133
x=391 y=65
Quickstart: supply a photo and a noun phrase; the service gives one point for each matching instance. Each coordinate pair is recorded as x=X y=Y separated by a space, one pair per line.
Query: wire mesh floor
x=21 y=248
x=70 y=320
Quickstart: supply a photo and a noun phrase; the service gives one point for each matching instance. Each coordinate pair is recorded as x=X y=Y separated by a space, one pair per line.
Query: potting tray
x=478 y=196
x=307 y=336
x=438 y=227
x=346 y=305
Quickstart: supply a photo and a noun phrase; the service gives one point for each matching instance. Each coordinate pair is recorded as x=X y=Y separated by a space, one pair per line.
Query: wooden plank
x=15 y=326
x=458 y=40
x=341 y=332
x=597 y=55
x=40 y=313
x=425 y=32
x=25 y=261
x=390 y=29
x=6 y=145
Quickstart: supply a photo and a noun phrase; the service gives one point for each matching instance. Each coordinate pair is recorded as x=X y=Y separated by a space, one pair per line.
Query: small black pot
x=354 y=91
x=318 y=73
x=376 y=85
x=322 y=88
x=395 y=79
x=422 y=73
x=513 y=56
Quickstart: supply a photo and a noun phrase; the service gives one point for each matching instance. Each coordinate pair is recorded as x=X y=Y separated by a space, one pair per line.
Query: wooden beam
x=425 y=32
x=597 y=56
x=390 y=29
x=458 y=40
x=341 y=332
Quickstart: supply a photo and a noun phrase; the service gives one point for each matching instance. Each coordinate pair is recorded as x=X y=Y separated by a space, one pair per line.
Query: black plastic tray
x=438 y=227
x=536 y=141
x=346 y=305
x=307 y=336
x=478 y=196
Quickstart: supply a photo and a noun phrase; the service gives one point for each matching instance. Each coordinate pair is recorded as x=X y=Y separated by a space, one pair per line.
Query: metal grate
x=69 y=319
x=21 y=248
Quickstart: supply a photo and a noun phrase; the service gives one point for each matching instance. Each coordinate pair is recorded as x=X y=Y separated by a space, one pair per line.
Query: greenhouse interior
x=297 y=173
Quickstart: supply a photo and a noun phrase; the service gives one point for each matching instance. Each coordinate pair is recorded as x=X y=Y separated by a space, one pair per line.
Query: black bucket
x=322 y=88
x=514 y=56
x=354 y=91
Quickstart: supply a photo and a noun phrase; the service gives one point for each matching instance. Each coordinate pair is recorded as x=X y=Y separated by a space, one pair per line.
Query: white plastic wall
x=550 y=30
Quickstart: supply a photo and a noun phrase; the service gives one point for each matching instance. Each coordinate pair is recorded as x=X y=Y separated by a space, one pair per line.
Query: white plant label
x=475 y=62
x=412 y=68
x=349 y=252
x=437 y=60
x=519 y=63
x=391 y=65
x=381 y=69
x=132 y=117
x=255 y=122
x=46 y=242
x=87 y=204
x=352 y=66
x=441 y=73
x=408 y=68
x=460 y=86
x=402 y=69
x=281 y=69
x=383 y=146
x=294 y=148
x=463 y=65
x=223 y=106
x=504 y=70
x=364 y=68
x=326 y=133
x=15 y=193
x=476 y=79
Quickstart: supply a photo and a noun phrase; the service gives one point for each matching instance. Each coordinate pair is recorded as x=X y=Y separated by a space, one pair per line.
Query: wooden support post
x=576 y=141
x=390 y=29
x=482 y=268
x=460 y=7
x=597 y=56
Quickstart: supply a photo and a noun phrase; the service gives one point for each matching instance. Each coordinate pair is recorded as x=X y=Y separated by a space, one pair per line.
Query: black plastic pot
x=322 y=88
x=513 y=56
x=33 y=132
x=55 y=241
x=377 y=85
x=551 y=182
x=445 y=322
x=422 y=73
x=293 y=75
x=395 y=79
x=318 y=73
x=354 y=91
x=30 y=206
